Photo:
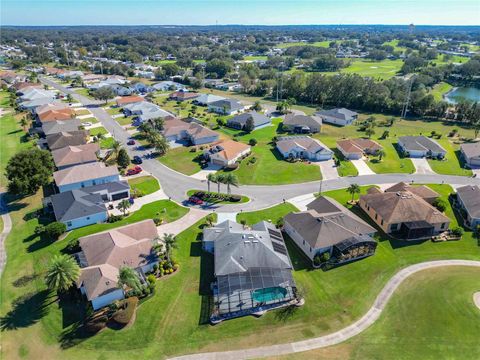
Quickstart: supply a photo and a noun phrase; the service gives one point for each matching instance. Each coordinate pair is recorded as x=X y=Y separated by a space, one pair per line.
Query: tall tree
x=353 y=190
x=211 y=178
x=230 y=180
x=63 y=271
x=170 y=242
x=128 y=277
x=104 y=93
x=220 y=180
x=249 y=125
x=123 y=160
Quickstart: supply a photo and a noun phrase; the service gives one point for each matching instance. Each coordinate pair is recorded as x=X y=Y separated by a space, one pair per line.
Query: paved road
x=176 y=184
x=7 y=227
x=337 y=337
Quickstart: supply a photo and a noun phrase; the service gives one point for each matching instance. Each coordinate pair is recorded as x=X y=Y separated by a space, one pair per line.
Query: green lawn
x=272 y=214
x=100 y=130
x=175 y=320
x=440 y=89
x=82 y=112
x=107 y=143
x=383 y=69
x=394 y=43
x=124 y=120
x=181 y=159
x=90 y=120
x=453 y=163
x=146 y=184
x=115 y=110
x=252 y=58
x=166 y=209
x=84 y=92
x=12 y=135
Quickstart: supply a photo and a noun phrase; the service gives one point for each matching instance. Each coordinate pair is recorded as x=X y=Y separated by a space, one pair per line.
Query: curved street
x=175 y=184
x=341 y=335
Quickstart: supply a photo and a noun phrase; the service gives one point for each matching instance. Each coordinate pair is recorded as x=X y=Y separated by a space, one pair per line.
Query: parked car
x=195 y=200
x=134 y=171
x=86 y=123
x=137 y=159
x=131 y=142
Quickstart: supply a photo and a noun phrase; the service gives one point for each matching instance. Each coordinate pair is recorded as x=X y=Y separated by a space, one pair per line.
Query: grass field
x=380 y=70
x=181 y=159
x=84 y=92
x=107 y=143
x=175 y=320
x=440 y=89
x=100 y=130
x=146 y=184
x=82 y=112
x=272 y=214
x=453 y=163
x=253 y=58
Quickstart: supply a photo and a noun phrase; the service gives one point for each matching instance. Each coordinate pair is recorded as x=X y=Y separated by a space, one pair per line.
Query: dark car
x=137 y=159
x=136 y=170
x=131 y=142
x=195 y=200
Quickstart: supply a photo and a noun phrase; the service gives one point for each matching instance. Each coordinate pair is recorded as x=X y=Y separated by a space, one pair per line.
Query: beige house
x=227 y=153
x=404 y=214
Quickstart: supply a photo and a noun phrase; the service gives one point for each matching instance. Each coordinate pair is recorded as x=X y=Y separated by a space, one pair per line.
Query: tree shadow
x=24 y=280
x=206 y=278
x=43 y=241
x=285 y=313
x=27 y=310
x=297 y=257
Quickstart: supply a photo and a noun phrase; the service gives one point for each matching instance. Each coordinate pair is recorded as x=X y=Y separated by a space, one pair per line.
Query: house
x=11 y=77
x=168 y=86
x=78 y=208
x=33 y=104
x=471 y=154
x=422 y=191
x=189 y=132
x=421 y=146
x=75 y=155
x=403 y=214
x=183 y=95
x=206 y=99
x=229 y=86
x=258 y=120
x=353 y=149
x=35 y=94
x=226 y=107
x=58 y=126
x=55 y=112
x=468 y=199
x=145 y=111
x=302 y=124
x=328 y=227
x=303 y=147
x=22 y=87
x=252 y=269
x=340 y=117
x=227 y=153
x=85 y=175
x=62 y=139
x=129 y=100
x=141 y=88
x=92 y=78
x=103 y=254
x=70 y=74
x=53 y=71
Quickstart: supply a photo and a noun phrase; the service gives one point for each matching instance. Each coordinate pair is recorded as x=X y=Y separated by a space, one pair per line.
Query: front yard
x=145 y=184
x=181 y=159
x=453 y=164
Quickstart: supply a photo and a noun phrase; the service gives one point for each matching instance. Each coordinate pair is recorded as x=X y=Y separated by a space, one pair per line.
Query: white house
x=303 y=147
x=341 y=117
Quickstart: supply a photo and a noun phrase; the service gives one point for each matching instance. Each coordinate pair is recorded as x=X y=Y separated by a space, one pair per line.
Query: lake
x=463 y=93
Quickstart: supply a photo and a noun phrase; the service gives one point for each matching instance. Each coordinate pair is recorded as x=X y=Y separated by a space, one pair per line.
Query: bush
x=73 y=246
x=158 y=221
x=458 y=231
x=252 y=142
x=95 y=325
x=114 y=218
x=126 y=311
x=55 y=229
x=252 y=160
x=151 y=279
x=234 y=198
x=440 y=204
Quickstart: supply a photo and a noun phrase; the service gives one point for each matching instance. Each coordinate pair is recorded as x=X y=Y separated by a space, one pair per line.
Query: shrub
x=234 y=198
x=39 y=229
x=151 y=279
x=458 y=231
x=95 y=325
x=280 y=223
x=73 y=246
x=440 y=204
x=158 y=221
x=126 y=311
x=114 y=218
x=252 y=160
x=252 y=142
x=55 y=229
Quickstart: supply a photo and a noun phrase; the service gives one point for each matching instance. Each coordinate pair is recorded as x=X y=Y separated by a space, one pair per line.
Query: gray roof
x=420 y=143
x=302 y=120
x=58 y=126
x=471 y=150
x=327 y=223
x=238 y=250
x=36 y=102
x=341 y=113
x=208 y=99
x=258 y=119
x=229 y=104
x=470 y=197
x=75 y=204
x=62 y=139
x=112 y=187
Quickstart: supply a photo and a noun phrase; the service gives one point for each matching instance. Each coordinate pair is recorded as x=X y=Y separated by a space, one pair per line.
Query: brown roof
x=231 y=149
x=70 y=155
x=56 y=114
x=60 y=140
x=129 y=100
x=83 y=172
x=174 y=126
x=423 y=191
x=106 y=252
x=358 y=146
x=53 y=70
x=403 y=206
x=22 y=85
x=184 y=95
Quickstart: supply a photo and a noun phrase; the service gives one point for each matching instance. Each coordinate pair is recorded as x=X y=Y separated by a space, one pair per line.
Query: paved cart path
x=7 y=227
x=339 y=336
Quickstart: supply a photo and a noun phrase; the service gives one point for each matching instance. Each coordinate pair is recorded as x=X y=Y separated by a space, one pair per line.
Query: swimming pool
x=269 y=294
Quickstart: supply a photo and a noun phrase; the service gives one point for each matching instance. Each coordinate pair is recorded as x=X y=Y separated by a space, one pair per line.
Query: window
x=88 y=217
x=69 y=223
x=394 y=227
x=381 y=222
x=94 y=182
x=303 y=242
x=310 y=249
x=376 y=216
x=82 y=185
x=443 y=226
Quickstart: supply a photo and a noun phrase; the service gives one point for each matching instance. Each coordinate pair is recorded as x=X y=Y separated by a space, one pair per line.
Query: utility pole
x=320 y=189
x=407 y=100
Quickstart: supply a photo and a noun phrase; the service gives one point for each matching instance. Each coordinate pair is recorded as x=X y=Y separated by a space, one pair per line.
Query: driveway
x=301 y=202
x=328 y=169
x=202 y=174
x=176 y=227
x=362 y=167
x=223 y=216
x=422 y=166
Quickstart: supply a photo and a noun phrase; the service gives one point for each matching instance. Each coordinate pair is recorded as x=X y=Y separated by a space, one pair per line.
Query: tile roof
x=231 y=149
x=129 y=100
x=358 y=146
x=56 y=114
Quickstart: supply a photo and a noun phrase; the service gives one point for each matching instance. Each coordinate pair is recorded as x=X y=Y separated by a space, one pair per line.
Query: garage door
x=217 y=162
x=120 y=195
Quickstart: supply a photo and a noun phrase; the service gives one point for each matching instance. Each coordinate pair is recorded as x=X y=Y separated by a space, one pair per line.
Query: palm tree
x=370 y=131
x=230 y=179
x=211 y=178
x=159 y=142
x=381 y=154
x=128 y=277
x=353 y=189
x=123 y=206
x=24 y=123
x=62 y=272
x=220 y=180
x=170 y=242
x=116 y=147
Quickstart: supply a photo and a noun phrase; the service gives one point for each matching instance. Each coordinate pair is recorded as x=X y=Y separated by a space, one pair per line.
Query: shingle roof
x=423 y=191
x=470 y=196
x=228 y=104
x=83 y=172
x=75 y=154
x=56 y=114
x=302 y=120
x=420 y=143
x=175 y=127
x=314 y=146
x=75 y=204
x=57 y=126
x=358 y=146
x=471 y=150
x=327 y=223
x=62 y=139
x=339 y=113
x=231 y=149
x=258 y=119
x=208 y=98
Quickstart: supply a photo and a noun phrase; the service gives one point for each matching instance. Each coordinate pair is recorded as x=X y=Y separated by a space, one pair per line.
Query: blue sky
x=265 y=12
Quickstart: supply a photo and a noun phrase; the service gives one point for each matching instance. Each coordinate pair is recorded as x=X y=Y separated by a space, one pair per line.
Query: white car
x=87 y=123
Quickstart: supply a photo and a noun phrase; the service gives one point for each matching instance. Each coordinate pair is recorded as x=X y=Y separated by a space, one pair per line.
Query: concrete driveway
x=422 y=166
x=176 y=227
x=362 y=167
x=328 y=169
x=202 y=174
x=224 y=216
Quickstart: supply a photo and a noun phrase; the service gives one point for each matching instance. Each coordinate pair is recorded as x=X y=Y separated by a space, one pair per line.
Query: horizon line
x=234 y=24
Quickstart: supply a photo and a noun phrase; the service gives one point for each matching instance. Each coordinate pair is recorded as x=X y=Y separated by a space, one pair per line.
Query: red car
x=134 y=171
x=195 y=200
x=131 y=142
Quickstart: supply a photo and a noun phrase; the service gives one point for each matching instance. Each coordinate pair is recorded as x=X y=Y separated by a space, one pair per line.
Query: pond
x=463 y=93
